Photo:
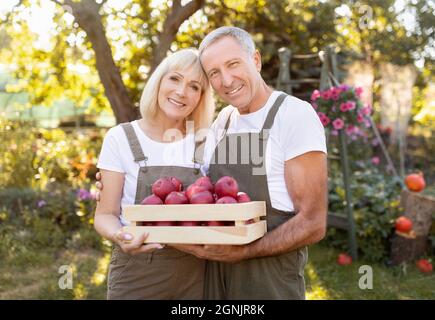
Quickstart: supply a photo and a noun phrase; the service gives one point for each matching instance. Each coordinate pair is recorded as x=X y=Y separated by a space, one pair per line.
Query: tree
x=92 y=18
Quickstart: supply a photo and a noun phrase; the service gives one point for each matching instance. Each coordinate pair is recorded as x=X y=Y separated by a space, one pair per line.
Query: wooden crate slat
x=195 y=212
x=201 y=235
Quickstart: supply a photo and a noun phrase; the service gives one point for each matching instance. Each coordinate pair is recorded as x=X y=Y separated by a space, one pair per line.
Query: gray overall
x=274 y=277
x=163 y=274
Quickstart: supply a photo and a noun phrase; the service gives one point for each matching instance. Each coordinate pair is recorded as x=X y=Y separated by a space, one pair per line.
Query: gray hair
x=240 y=35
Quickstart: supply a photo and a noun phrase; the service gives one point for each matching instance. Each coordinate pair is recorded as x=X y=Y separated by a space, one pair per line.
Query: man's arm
x=306 y=179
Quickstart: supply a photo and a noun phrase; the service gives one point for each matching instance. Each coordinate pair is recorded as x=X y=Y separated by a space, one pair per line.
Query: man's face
x=232 y=72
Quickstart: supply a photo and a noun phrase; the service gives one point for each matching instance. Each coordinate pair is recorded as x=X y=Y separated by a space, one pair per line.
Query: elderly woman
x=136 y=154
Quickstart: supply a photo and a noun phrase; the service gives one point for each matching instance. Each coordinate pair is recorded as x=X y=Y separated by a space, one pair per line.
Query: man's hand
x=98 y=185
x=222 y=253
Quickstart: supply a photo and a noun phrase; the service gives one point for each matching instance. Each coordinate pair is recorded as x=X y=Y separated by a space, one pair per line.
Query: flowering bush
x=341 y=108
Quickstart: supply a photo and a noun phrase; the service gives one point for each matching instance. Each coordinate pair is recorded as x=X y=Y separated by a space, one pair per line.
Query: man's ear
x=257 y=60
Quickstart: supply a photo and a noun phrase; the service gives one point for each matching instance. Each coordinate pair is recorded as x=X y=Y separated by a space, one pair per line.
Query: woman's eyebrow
x=196 y=81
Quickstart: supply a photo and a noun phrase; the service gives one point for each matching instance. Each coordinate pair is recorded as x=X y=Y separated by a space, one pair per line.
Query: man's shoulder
x=293 y=101
x=293 y=105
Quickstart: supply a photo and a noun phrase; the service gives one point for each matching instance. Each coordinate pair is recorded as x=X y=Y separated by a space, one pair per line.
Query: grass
x=35 y=275
x=327 y=280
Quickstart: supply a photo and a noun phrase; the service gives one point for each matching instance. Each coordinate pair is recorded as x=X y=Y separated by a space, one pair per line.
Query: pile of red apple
x=169 y=190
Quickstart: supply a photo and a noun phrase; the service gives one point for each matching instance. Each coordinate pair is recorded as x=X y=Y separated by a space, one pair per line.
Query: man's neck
x=261 y=96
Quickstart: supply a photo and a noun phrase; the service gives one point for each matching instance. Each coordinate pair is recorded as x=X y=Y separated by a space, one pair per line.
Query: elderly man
x=293 y=184
x=283 y=163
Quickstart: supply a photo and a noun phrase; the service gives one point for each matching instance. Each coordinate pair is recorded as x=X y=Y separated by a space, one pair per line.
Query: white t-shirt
x=116 y=156
x=296 y=130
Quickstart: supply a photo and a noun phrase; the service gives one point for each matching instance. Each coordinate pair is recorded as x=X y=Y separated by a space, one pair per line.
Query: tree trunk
x=176 y=17
x=88 y=18
x=419 y=208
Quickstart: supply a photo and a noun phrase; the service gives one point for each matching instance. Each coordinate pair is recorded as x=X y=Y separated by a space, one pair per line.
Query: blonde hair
x=181 y=60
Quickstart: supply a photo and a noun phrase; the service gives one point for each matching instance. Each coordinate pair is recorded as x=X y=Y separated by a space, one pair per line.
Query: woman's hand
x=132 y=245
x=98 y=185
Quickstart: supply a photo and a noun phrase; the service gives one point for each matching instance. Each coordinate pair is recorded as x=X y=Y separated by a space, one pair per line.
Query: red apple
x=194 y=189
x=216 y=223
x=424 y=266
x=162 y=187
x=189 y=223
x=177 y=183
x=226 y=199
x=147 y=223
x=344 y=259
x=152 y=199
x=202 y=197
x=205 y=182
x=176 y=197
x=226 y=186
x=243 y=197
x=164 y=223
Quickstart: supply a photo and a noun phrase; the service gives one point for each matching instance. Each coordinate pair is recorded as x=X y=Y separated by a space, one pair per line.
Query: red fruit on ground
x=176 y=197
x=403 y=224
x=162 y=187
x=344 y=259
x=243 y=197
x=226 y=200
x=152 y=199
x=205 y=182
x=226 y=186
x=424 y=266
x=177 y=183
x=415 y=182
x=202 y=197
x=194 y=189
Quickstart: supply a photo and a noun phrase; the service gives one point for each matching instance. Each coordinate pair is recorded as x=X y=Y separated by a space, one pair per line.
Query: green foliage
x=375 y=197
x=37 y=157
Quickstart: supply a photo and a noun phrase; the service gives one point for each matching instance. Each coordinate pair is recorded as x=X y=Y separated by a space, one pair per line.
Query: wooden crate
x=240 y=213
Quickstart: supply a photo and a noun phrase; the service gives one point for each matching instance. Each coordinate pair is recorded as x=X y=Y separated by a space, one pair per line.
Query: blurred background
x=71 y=69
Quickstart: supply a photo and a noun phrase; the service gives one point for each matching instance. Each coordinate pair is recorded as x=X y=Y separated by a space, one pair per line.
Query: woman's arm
x=107 y=214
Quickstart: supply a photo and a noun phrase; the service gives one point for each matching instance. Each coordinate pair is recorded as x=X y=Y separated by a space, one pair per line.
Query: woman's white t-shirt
x=116 y=156
x=296 y=130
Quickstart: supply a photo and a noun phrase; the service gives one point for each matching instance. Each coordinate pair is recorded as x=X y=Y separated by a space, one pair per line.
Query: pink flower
x=359 y=118
x=326 y=95
x=358 y=91
x=351 y=105
x=338 y=124
x=350 y=129
x=315 y=95
x=336 y=91
x=315 y=106
x=335 y=97
x=325 y=121
x=367 y=110
x=344 y=107
x=376 y=160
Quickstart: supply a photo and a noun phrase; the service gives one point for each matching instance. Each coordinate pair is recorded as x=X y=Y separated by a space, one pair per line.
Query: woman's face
x=179 y=93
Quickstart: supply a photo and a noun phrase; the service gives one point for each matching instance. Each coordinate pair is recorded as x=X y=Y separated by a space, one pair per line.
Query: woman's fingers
x=150 y=247
x=135 y=243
